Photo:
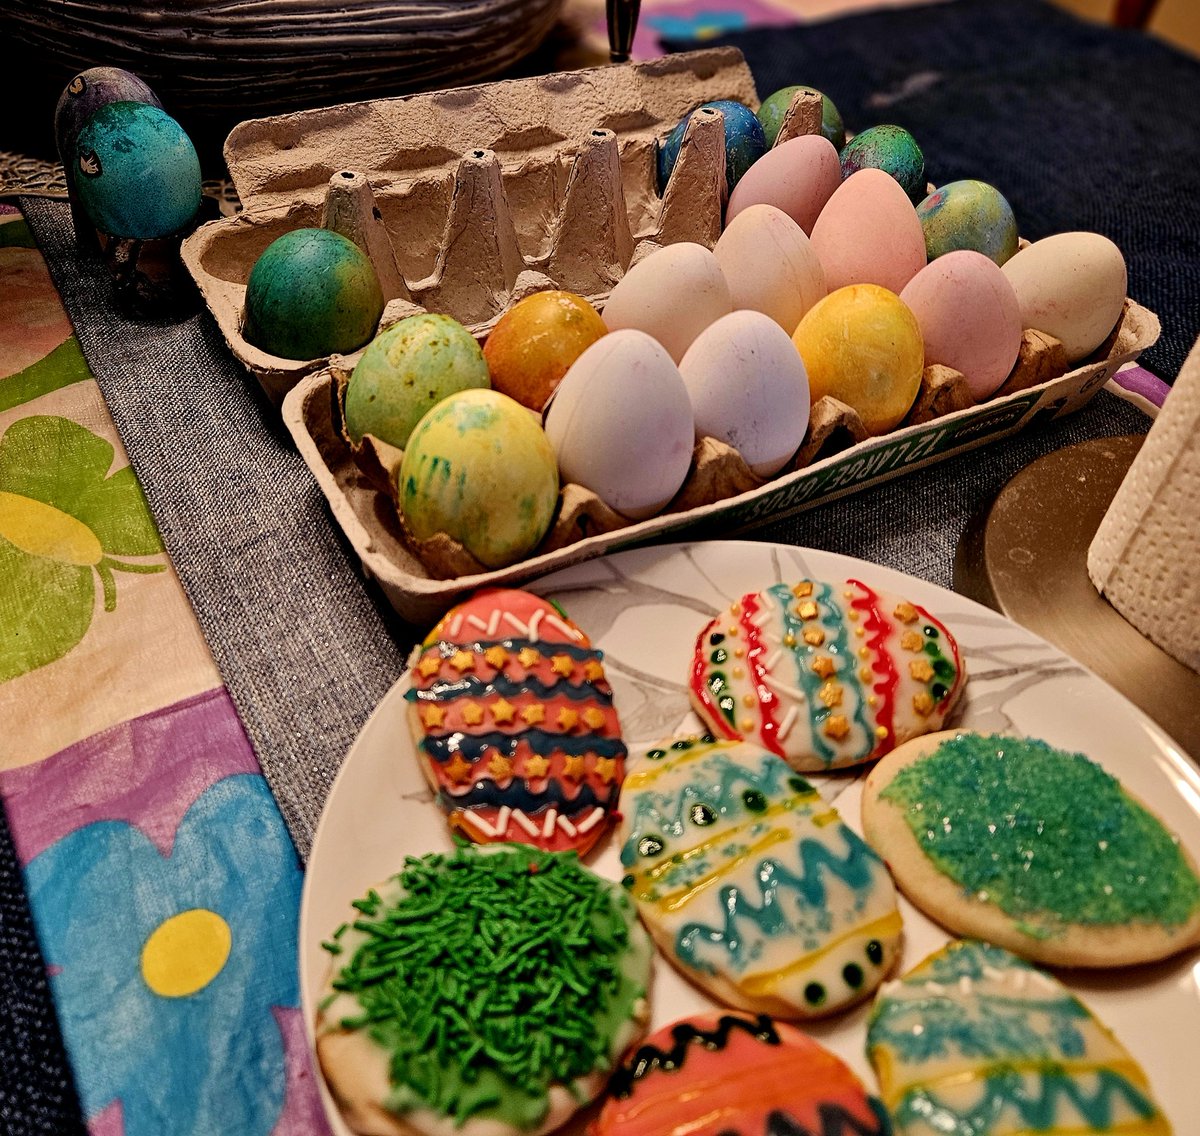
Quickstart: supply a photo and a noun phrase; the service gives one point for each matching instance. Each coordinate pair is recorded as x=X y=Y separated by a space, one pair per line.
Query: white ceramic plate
x=643 y=609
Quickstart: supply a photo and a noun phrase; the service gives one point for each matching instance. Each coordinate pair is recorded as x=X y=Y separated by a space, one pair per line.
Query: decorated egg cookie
x=734 y=1075
x=1033 y=848
x=481 y=993
x=515 y=724
x=751 y=883
x=825 y=675
x=975 y=1042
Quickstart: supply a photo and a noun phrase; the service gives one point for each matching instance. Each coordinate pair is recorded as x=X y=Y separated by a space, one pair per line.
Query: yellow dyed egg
x=479 y=468
x=535 y=343
x=862 y=346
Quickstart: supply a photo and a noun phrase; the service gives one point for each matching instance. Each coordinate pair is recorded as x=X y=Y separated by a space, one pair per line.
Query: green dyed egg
x=891 y=149
x=968 y=215
x=136 y=171
x=775 y=107
x=406 y=371
x=312 y=292
x=479 y=468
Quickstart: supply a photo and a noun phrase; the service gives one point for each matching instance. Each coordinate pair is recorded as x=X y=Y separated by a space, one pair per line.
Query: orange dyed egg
x=536 y=341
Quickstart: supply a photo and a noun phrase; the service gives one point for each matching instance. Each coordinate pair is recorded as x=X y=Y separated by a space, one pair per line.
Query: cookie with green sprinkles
x=1033 y=848
x=482 y=992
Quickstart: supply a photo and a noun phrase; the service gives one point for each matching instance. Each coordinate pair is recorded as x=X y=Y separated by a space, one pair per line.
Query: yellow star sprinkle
x=923 y=703
x=920 y=669
x=535 y=765
x=528 y=657
x=462 y=661
x=802 y=589
x=533 y=713
x=568 y=718
x=430 y=665
x=573 y=767
x=836 y=727
x=499 y=766
x=497 y=656
x=906 y=613
x=807 y=610
x=457 y=769
x=593 y=671
x=593 y=717
x=814 y=636
x=831 y=693
x=503 y=710
x=472 y=713
x=433 y=716
x=562 y=665
x=912 y=641
x=823 y=665
x=606 y=768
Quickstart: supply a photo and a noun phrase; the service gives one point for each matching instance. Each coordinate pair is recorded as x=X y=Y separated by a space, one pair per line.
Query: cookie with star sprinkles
x=735 y=1075
x=1033 y=848
x=974 y=1041
x=482 y=992
x=825 y=675
x=751 y=884
x=515 y=725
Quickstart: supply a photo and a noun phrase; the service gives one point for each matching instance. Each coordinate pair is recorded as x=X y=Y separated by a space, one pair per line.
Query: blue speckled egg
x=86 y=94
x=745 y=142
x=136 y=172
x=968 y=215
x=775 y=107
x=891 y=149
x=312 y=292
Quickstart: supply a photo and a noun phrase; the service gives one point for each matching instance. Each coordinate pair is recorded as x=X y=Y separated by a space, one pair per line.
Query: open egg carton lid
x=468 y=199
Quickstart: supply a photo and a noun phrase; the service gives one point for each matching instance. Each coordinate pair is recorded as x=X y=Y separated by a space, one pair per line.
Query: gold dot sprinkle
x=736 y=609
x=732 y=631
x=748 y=700
x=789 y=640
x=853 y=615
x=747 y=725
x=739 y=652
x=865 y=674
x=864 y=652
x=881 y=732
x=872 y=700
x=738 y=672
x=860 y=631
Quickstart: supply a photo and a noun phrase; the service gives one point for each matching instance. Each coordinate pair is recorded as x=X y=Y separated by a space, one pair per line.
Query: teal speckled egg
x=406 y=371
x=775 y=107
x=479 y=468
x=968 y=215
x=891 y=149
x=744 y=142
x=312 y=292
x=136 y=171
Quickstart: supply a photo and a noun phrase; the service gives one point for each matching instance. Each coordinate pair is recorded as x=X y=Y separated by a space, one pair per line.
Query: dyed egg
x=868 y=233
x=621 y=424
x=1071 y=286
x=672 y=295
x=968 y=215
x=775 y=107
x=748 y=387
x=770 y=266
x=406 y=371
x=479 y=468
x=536 y=341
x=312 y=292
x=799 y=176
x=969 y=317
x=891 y=149
x=85 y=94
x=862 y=346
x=744 y=142
x=136 y=172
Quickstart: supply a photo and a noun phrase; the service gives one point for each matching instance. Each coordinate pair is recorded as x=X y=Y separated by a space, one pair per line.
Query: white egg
x=749 y=388
x=672 y=295
x=770 y=265
x=621 y=424
x=1071 y=286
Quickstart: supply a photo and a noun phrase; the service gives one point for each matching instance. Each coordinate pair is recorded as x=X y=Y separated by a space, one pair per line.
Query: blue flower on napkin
x=165 y=969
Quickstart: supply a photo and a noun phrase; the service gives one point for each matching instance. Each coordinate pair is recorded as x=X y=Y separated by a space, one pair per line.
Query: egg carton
x=467 y=200
x=721 y=494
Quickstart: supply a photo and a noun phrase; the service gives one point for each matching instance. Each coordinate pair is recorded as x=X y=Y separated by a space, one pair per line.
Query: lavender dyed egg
x=87 y=93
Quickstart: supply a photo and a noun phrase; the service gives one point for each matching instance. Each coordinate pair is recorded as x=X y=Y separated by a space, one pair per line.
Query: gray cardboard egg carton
x=467 y=200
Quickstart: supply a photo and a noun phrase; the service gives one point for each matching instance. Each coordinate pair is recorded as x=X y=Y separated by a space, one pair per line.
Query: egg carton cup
x=467 y=200
x=721 y=496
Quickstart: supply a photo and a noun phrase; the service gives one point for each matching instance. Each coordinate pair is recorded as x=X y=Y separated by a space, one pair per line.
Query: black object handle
x=622 y=23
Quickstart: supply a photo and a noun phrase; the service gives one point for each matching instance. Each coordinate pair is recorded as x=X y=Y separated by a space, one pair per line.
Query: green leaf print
x=63 y=522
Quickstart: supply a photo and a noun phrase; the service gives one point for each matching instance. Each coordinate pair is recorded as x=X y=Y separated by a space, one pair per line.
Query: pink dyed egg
x=770 y=265
x=869 y=233
x=969 y=317
x=798 y=176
